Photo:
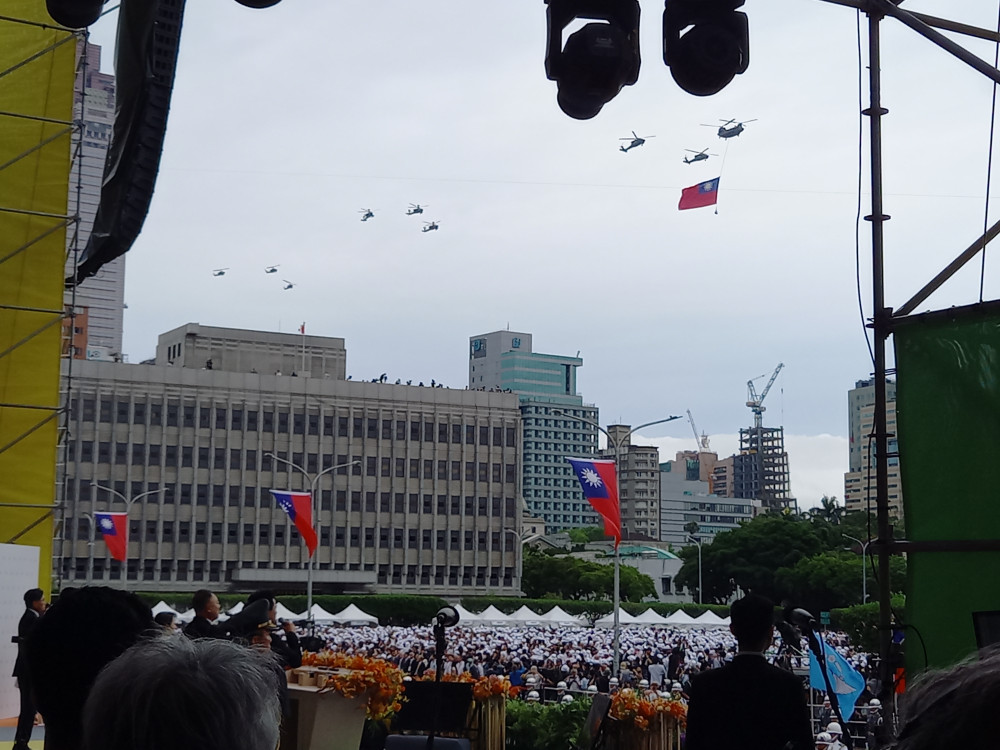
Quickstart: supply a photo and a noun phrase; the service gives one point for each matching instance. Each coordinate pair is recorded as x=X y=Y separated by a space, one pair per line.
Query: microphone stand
x=439 y=645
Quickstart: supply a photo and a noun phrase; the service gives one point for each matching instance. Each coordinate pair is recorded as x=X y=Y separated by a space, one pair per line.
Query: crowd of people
x=103 y=674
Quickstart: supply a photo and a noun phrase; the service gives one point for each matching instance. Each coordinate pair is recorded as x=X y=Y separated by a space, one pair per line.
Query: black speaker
x=452 y=700
x=419 y=742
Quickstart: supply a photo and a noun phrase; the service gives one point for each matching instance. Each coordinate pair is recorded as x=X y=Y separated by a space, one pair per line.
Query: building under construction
x=760 y=470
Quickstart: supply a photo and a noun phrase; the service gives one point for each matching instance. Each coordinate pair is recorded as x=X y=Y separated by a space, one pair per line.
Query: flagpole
x=313 y=482
x=615 y=445
x=302 y=330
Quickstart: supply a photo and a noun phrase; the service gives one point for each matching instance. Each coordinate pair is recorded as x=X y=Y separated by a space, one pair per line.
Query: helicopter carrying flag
x=700 y=195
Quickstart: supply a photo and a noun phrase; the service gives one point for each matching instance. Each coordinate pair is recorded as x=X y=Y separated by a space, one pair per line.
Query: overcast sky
x=286 y=121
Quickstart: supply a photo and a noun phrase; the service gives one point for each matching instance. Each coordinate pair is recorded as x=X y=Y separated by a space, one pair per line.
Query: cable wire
x=857 y=214
x=989 y=163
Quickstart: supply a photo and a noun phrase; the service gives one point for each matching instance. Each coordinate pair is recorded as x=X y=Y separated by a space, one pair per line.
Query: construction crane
x=702 y=442
x=755 y=402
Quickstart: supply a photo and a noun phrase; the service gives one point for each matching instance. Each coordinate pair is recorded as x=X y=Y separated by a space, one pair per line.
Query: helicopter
x=288 y=284
x=219 y=271
x=698 y=156
x=730 y=132
x=366 y=214
x=636 y=141
x=415 y=208
x=272 y=269
x=429 y=225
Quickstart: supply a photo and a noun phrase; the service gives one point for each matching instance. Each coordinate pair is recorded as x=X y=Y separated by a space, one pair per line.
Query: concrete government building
x=427 y=508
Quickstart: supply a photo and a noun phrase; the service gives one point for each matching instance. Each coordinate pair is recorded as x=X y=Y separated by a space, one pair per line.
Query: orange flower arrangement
x=379 y=679
x=630 y=706
x=482 y=687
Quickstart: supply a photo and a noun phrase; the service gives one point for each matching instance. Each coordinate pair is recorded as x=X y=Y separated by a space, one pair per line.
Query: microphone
x=801 y=618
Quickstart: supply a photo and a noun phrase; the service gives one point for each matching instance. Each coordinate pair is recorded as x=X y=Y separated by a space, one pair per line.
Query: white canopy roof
x=608 y=621
x=524 y=614
x=351 y=613
x=187 y=616
x=162 y=606
x=285 y=613
x=708 y=618
x=465 y=616
x=680 y=617
x=235 y=610
x=493 y=616
x=558 y=616
x=318 y=614
x=651 y=617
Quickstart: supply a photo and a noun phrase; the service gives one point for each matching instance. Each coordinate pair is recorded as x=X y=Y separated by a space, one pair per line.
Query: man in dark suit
x=206 y=611
x=748 y=703
x=34 y=606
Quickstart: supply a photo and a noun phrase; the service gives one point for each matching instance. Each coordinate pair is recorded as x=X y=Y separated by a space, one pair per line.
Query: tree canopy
x=567 y=577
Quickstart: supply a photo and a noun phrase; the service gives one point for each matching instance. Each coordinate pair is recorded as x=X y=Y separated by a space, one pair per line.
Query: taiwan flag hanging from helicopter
x=600 y=487
x=700 y=195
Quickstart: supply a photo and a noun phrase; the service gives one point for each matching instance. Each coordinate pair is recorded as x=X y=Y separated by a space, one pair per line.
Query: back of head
x=171 y=693
x=81 y=632
x=752 y=619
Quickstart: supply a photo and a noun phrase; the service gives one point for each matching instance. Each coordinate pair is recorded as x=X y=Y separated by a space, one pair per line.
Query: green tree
x=829 y=510
x=567 y=577
x=585 y=534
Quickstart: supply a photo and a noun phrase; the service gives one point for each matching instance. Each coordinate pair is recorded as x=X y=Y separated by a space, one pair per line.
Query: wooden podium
x=326 y=720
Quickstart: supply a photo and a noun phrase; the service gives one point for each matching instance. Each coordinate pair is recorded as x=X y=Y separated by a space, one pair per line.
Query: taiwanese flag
x=298 y=506
x=700 y=195
x=597 y=478
x=114 y=526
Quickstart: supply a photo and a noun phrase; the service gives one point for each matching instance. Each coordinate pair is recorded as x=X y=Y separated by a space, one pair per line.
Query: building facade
x=638 y=485
x=860 y=479
x=760 y=469
x=504 y=360
x=686 y=498
x=424 y=503
x=102 y=295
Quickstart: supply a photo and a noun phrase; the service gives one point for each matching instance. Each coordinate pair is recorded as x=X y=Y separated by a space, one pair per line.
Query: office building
x=504 y=360
x=102 y=295
x=427 y=501
x=860 y=479
x=638 y=485
x=686 y=498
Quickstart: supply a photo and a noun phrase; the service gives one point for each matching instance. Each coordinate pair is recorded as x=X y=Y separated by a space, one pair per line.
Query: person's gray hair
x=953 y=707
x=168 y=693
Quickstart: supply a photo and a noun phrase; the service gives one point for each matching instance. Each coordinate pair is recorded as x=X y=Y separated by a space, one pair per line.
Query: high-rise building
x=686 y=497
x=860 y=479
x=103 y=295
x=760 y=469
x=503 y=360
x=638 y=485
x=425 y=499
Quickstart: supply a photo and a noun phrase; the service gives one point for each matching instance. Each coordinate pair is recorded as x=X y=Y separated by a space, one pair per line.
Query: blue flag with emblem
x=847 y=682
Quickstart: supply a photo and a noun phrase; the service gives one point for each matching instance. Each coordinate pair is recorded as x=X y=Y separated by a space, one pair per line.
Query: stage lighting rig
x=705 y=43
x=598 y=59
x=74 y=14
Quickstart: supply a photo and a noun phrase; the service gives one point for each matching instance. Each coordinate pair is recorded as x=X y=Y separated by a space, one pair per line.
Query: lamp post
x=313 y=481
x=697 y=541
x=864 y=554
x=520 y=554
x=616 y=447
x=128 y=506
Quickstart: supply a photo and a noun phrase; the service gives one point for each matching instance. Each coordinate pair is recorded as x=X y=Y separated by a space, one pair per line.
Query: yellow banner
x=37 y=67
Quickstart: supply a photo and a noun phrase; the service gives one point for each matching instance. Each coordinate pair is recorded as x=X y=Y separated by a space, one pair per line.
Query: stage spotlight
x=446 y=617
x=74 y=14
x=706 y=57
x=598 y=59
x=258 y=3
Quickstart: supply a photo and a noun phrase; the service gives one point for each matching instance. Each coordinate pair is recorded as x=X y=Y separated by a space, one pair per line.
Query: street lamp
x=616 y=447
x=313 y=482
x=697 y=541
x=520 y=553
x=128 y=506
x=864 y=554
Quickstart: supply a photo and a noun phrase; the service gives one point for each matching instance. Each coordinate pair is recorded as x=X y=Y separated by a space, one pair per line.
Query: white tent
x=558 y=616
x=651 y=617
x=285 y=613
x=680 y=617
x=318 y=614
x=708 y=619
x=727 y=620
x=162 y=606
x=493 y=616
x=187 y=616
x=353 y=615
x=524 y=615
x=608 y=621
x=466 y=617
x=235 y=610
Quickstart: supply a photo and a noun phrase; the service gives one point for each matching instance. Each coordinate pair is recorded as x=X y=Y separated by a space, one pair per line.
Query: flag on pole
x=114 y=527
x=298 y=506
x=847 y=682
x=302 y=329
x=600 y=487
x=700 y=195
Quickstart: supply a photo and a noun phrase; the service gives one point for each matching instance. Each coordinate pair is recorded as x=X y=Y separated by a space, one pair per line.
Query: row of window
x=154 y=414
